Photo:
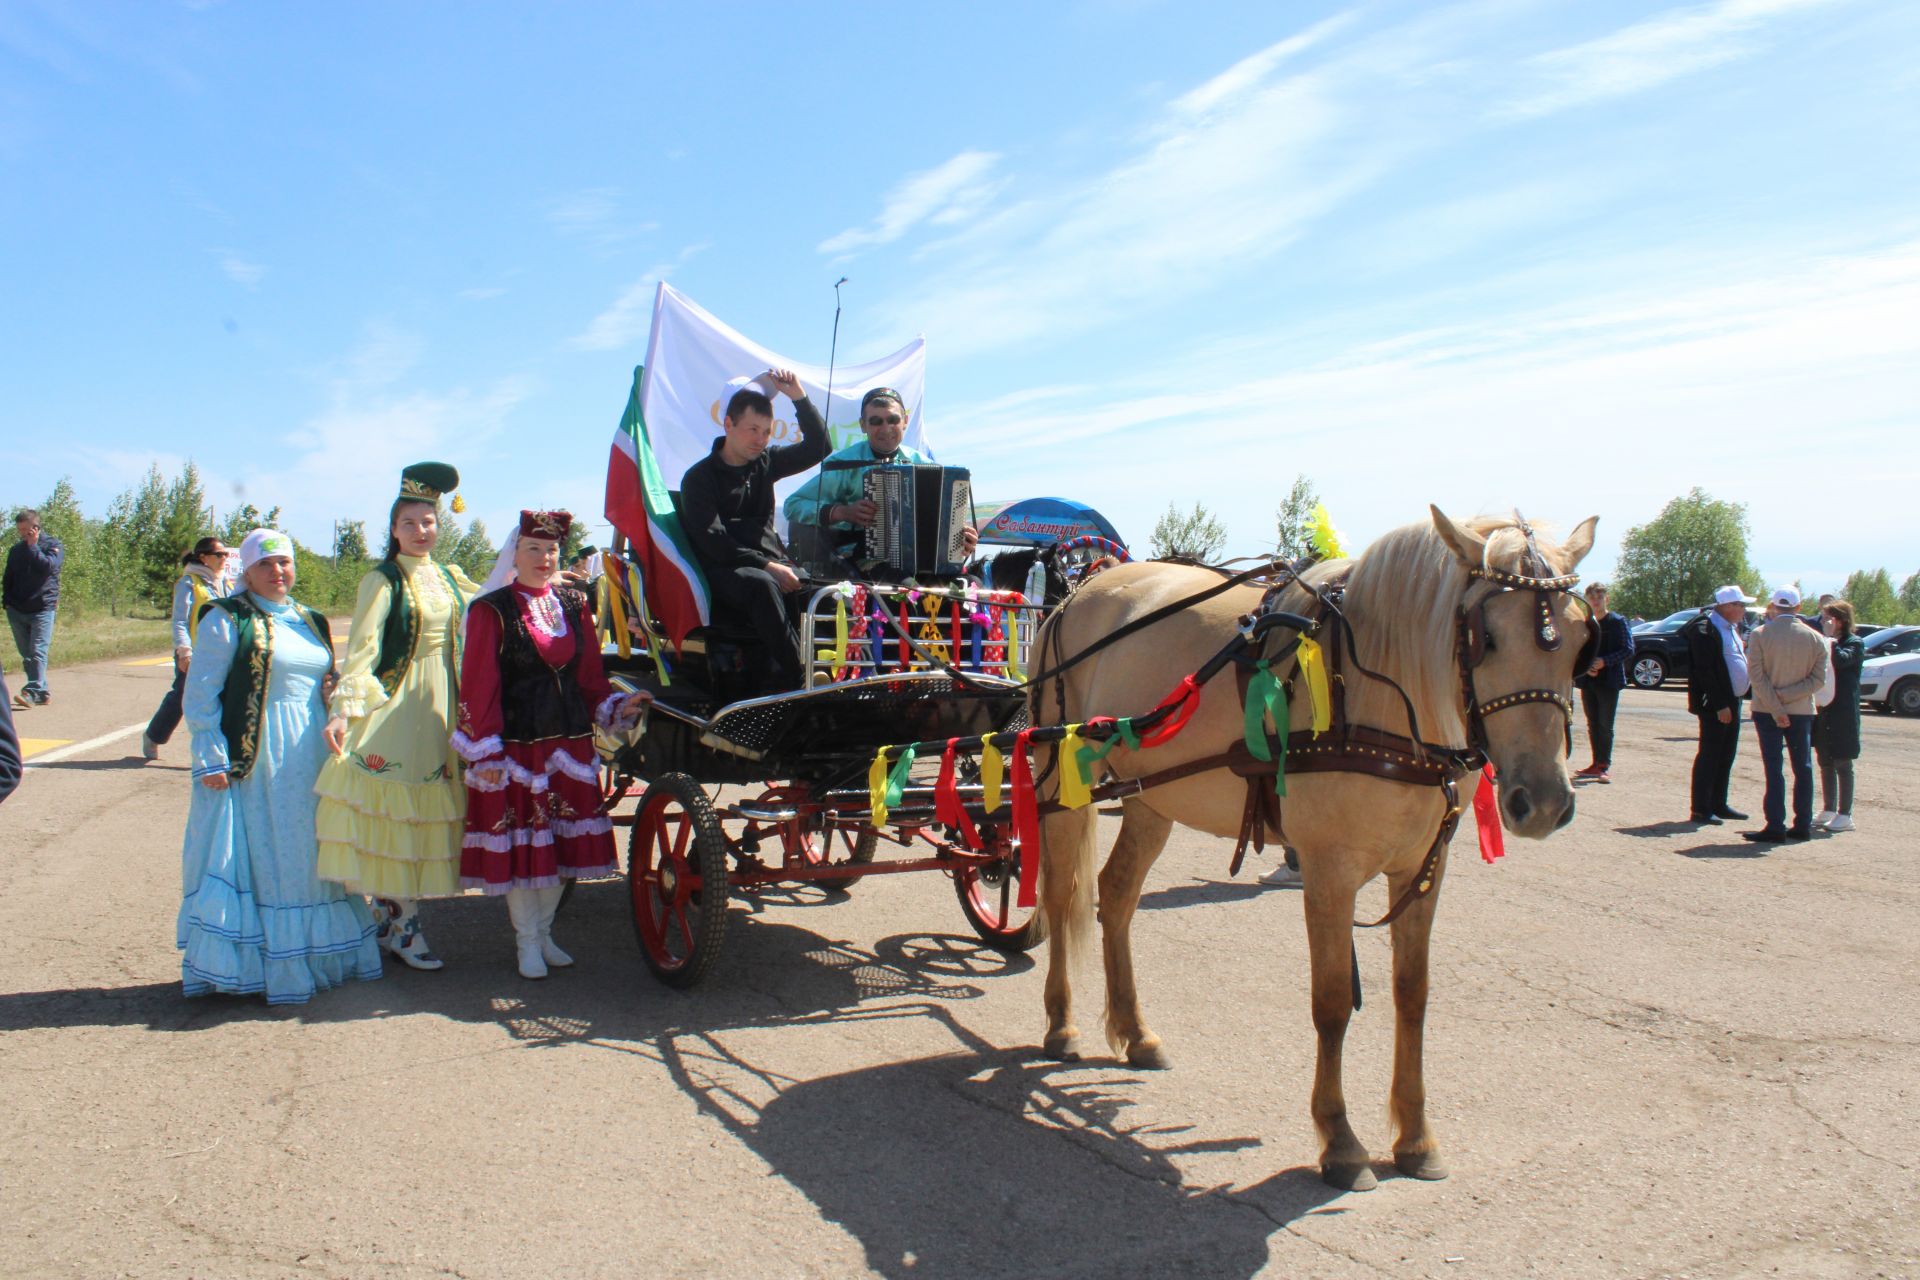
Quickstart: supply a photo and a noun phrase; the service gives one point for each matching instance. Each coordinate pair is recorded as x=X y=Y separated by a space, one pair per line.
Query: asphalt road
x=1652 y=1051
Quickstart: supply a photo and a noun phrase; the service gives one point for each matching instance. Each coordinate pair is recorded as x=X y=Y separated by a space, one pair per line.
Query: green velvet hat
x=428 y=481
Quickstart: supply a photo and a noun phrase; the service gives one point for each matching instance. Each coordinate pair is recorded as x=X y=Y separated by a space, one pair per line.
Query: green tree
x=1910 y=597
x=243 y=520
x=1677 y=559
x=350 y=543
x=1295 y=519
x=1872 y=596
x=1197 y=534
x=472 y=550
x=183 y=518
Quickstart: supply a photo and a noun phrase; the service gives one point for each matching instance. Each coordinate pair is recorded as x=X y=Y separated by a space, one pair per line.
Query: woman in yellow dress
x=392 y=803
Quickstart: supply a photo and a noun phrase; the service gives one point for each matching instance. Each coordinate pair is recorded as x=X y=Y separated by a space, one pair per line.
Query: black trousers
x=1599 y=704
x=752 y=597
x=1713 y=762
x=167 y=718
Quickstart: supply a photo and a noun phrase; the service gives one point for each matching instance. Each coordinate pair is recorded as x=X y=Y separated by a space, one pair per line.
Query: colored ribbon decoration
x=1026 y=820
x=993 y=767
x=1313 y=666
x=1184 y=698
x=877 y=787
x=1486 y=816
x=897 y=780
x=1091 y=755
x=1267 y=697
x=1073 y=777
x=1014 y=671
x=947 y=805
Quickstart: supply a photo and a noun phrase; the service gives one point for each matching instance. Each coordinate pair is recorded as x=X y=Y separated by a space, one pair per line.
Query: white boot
x=1841 y=822
x=523 y=908
x=1825 y=816
x=401 y=936
x=550 y=903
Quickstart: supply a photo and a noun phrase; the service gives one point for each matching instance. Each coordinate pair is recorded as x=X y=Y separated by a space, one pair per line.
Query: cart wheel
x=988 y=894
x=677 y=839
x=835 y=846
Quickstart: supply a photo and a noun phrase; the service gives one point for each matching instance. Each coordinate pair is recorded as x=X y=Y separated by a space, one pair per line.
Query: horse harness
x=1345 y=747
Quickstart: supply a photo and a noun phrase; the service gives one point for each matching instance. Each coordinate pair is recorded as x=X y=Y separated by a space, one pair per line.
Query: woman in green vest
x=392 y=804
x=254 y=917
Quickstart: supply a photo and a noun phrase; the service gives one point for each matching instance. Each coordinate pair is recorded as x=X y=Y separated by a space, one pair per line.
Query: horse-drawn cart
x=738 y=793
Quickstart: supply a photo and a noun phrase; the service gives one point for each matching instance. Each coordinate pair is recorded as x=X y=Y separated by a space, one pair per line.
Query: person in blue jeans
x=31 y=593
x=1787 y=662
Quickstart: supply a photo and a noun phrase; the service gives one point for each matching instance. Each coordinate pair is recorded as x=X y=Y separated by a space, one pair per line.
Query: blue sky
x=1574 y=256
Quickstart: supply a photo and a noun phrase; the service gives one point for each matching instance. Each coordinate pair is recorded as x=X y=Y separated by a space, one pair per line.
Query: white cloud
x=481 y=293
x=630 y=316
x=594 y=215
x=947 y=195
x=1646 y=54
x=240 y=270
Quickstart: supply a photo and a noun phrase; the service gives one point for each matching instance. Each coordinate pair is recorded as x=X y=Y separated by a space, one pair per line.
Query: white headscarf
x=503 y=571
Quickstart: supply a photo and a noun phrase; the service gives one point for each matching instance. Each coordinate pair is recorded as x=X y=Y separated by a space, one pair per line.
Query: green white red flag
x=640 y=505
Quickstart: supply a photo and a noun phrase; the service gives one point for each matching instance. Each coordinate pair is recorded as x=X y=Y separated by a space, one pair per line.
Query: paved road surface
x=1652 y=1051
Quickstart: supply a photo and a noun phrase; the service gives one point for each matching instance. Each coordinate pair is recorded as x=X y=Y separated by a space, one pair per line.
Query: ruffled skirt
x=542 y=825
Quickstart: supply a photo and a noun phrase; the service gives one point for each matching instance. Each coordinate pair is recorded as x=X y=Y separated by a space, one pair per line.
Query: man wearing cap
x=1788 y=663
x=726 y=508
x=1716 y=682
x=834 y=502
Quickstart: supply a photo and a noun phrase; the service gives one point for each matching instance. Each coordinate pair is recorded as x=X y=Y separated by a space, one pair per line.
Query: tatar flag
x=640 y=506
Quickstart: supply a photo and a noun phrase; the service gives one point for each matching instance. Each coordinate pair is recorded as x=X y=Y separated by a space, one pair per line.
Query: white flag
x=691 y=356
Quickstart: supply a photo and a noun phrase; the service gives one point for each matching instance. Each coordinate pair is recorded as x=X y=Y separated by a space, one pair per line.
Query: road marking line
x=150 y=662
x=77 y=748
x=31 y=747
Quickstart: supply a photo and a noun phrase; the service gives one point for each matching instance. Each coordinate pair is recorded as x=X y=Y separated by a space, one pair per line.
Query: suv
x=1890 y=678
x=1660 y=651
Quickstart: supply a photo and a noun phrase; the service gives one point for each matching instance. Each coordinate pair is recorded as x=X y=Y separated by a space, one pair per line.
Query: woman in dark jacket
x=1600 y=684
x=1836 y=728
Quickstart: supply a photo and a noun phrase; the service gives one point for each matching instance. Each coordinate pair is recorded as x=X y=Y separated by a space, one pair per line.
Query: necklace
x=544 y=612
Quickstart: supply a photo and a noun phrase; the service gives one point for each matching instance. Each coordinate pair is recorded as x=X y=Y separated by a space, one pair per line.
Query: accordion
x=917 y=532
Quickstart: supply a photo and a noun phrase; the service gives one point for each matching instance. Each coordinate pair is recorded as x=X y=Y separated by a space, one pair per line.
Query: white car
x=1890 y=678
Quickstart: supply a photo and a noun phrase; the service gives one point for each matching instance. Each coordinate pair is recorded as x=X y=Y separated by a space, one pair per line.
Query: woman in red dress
x=531 y=689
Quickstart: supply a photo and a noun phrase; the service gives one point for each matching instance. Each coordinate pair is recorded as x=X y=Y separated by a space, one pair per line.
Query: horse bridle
x=1475 y=641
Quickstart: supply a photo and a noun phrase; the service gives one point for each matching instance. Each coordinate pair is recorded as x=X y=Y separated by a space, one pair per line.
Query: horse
x=1463 y=621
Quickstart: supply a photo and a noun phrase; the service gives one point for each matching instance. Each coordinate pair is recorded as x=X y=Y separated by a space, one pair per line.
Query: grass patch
x=96 y=637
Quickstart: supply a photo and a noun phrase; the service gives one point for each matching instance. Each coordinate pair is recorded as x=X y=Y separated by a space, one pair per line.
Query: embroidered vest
x=243 y=699
x=538 y=701
x=402 y=631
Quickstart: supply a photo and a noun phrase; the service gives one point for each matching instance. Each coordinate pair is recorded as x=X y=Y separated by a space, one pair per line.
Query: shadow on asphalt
x=1195 y=892
x=983 y=1161
x=124 y=762
x=1659 y=830
x=1742 y=849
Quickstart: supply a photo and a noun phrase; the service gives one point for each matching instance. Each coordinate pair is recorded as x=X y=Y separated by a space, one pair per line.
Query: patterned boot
x=400 y=933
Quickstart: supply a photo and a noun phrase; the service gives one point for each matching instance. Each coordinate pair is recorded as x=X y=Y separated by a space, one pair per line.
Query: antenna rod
x=826 y=415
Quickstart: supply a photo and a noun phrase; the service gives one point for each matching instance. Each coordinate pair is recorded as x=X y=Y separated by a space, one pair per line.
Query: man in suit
x=1788 y=663
x=1716 y=683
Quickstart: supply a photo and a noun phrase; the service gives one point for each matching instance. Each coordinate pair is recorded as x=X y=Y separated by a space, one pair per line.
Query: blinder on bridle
x=1476 y=641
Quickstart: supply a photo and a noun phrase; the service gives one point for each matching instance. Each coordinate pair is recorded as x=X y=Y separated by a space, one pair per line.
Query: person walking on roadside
x=1716 y=683
x=1836 y=726
x=1787 y=662
x=198 y=587
x=1600 y=684
x=31 y=594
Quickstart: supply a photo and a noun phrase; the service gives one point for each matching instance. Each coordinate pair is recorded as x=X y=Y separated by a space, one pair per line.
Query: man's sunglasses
x=890 y=420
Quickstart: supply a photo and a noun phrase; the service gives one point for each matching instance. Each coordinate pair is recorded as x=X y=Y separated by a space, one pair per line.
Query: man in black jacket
x=1716 y=682
x=726 y=508
x=1600 y=684
x=11 y=766
x=30 y=590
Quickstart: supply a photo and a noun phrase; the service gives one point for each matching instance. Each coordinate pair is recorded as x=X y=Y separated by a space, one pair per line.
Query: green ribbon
x=897 y=779
x=1089 y=754
x=1266 y=696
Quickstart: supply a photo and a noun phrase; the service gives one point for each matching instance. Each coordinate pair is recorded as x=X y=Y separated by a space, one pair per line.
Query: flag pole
x=826 y=417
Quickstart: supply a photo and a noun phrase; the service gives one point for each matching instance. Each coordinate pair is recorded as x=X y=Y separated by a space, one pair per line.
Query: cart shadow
x=987 y=1162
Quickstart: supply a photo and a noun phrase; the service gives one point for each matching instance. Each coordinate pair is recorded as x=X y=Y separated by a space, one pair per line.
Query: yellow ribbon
x=993 y=767
x=930 y=631
x=1073 y=777
x=839 y=632
x=1313 y=665
x=877 y=787
x=1013 y=645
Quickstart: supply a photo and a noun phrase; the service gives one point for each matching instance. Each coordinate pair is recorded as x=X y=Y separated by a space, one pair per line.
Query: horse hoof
x=1148 y=1057
x=1425 y=1165
x=1349 y=1177
x=1062 y=1048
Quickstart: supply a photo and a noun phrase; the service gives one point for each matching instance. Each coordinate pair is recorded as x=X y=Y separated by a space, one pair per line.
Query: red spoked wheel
x=803 y=842
x=677 y=879
x=989 y=896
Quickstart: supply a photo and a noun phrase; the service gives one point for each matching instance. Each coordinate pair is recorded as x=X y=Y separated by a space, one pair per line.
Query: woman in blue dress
x=255 y=918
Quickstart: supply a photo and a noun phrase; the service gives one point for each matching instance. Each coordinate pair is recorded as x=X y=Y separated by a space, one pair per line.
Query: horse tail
x=1068 y=856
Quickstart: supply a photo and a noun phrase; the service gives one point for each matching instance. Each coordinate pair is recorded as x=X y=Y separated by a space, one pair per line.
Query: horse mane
x=1402 y=596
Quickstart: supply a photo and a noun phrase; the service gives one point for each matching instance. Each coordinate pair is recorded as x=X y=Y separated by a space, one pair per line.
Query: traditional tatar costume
x=391 y=805
x=254 y=917
x=531 y=689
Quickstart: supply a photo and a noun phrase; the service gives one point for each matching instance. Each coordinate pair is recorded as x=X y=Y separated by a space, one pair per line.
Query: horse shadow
x=1198 y=892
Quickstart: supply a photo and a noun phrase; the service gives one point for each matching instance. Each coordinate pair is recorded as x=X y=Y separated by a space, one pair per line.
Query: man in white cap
x=1716 y=682
x=1787 y=662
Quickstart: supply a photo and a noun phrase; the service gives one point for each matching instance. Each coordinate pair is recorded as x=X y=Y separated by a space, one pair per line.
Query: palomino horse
x=1462 y=617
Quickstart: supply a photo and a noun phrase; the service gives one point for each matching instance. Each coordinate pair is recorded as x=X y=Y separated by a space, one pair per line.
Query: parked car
x=1660 y=651
x=1890 y=679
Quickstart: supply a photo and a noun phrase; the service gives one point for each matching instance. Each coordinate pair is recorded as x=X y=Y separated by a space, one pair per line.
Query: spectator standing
x=11 y=765
x=1787 y=663
x=1836 y=726
x=1716 y=683
x=31 y=593
x=1600 y=684
x=198 y=587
